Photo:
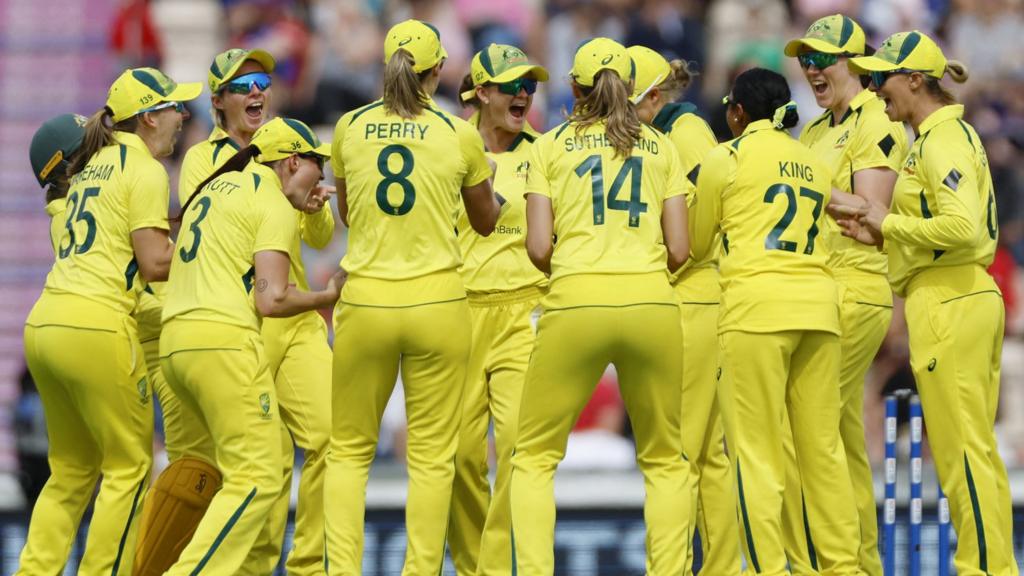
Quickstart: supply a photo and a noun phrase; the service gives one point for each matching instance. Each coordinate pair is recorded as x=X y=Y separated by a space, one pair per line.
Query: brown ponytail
x=608 y=100
x=98 y=134
x=678 y=80
x=467 y=85
x=236 y=163
x=403 y=91
x=957 y=71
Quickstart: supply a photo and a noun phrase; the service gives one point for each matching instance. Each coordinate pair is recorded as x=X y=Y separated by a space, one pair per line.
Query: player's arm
x=317 y=225
x=717 y=173
x=482 y=207
x=675 y=230
x=342 y=196
x=153 y=251
x=276 y=298
x=540 y=223
x=956 y=218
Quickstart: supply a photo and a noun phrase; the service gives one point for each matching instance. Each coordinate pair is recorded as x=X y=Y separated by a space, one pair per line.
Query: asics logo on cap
x=607 y=59
x=405 y=41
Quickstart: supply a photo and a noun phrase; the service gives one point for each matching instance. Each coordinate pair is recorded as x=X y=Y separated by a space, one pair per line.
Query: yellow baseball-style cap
x=651 y=70
x=835 y=34
x=499 y=63
x=912 y=51
x=282 y=137
x=419 y=39
x=139 y=89
x=227 y=63
x=601 y=54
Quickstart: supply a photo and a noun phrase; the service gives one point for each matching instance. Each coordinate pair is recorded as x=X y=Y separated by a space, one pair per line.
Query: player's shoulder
x=365 y=112
x=816 y=127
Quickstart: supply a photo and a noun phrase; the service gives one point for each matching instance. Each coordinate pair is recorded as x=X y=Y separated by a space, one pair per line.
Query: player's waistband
x=952 y=281
x=482 y=299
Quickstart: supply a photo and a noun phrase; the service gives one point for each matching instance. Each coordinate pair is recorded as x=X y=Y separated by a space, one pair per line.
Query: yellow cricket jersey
x=693 y=139
x=863 y=138
x=234 y=216
x=122 y=189
x=55 y=210
x=499 y=263
x=766 y=193
x=204 y=158
x=944 y=207
x=607 y=214
x=403 y=180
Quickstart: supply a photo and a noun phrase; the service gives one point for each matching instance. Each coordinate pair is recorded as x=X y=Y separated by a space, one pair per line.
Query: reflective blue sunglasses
x=244 y=83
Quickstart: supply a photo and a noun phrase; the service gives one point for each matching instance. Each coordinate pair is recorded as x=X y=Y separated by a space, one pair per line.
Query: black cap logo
x=607 y=59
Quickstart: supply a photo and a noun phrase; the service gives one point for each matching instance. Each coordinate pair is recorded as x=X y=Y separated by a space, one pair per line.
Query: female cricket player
x=298 y=355
x=940 y=235
x=778 y=327
x=612 y=190
x=231 y=268
x=863 y=151
x=81 y=341
x=659 y=83
x=503 y=290
x=400 y=166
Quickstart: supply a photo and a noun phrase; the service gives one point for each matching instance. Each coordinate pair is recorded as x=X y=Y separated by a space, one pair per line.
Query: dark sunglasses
x=314 y=157
x=878 y=79
x=513 y=87
x=819 y=60
x=243 y=84
x=179 y=107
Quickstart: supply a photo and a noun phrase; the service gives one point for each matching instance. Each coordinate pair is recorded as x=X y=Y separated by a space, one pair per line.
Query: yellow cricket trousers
x=955 y=320
x=183 y=436
x=480 y=537
x=572 y=350
x=99 y=419
x=766 y=376
x=864 y=315
x=219 y=374
x=430 y=344
x=299 y=361
x=698 y=293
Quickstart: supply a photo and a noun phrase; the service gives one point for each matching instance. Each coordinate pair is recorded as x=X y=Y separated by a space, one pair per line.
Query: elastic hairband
x=780 y=114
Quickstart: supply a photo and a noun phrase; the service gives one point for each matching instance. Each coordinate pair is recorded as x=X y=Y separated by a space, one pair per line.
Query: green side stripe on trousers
x=979 y=524
x=746 y=520
x=224 y=532
x=128 y=525
x=811 y=553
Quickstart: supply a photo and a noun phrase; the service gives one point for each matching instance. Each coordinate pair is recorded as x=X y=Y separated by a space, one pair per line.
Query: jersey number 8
x=401 y=178
x=774 y=240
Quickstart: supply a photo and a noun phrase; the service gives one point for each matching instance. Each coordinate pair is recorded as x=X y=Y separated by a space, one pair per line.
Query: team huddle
x=740 y=289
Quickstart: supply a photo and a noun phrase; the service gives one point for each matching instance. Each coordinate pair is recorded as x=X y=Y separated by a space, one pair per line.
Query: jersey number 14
x=632 y=168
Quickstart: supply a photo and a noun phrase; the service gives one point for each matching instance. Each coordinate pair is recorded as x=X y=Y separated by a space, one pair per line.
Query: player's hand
x=318 y=196
x=849 y=219
x=335 y=283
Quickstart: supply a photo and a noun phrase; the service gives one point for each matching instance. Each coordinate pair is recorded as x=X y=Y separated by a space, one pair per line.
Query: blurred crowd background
x=60 y=55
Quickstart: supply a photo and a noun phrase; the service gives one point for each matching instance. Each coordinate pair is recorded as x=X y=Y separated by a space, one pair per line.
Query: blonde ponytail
x=678 y=80
x=403 y=88
x=608 y=100
x=957 y=71
x=99 y=133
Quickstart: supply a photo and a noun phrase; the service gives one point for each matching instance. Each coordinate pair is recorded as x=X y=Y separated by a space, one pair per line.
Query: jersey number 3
x=774 y=240
x=197 y=234
x=633 y=168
